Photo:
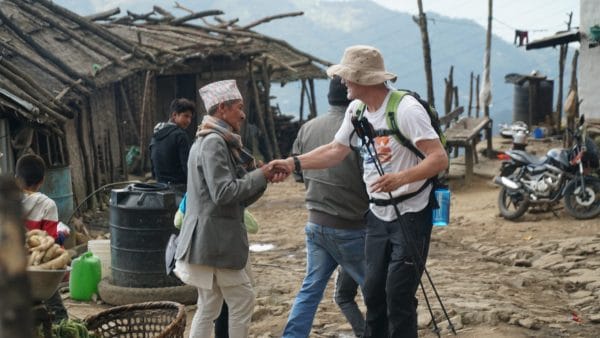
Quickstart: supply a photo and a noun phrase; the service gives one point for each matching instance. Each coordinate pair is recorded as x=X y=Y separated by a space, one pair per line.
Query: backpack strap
x=390 y=119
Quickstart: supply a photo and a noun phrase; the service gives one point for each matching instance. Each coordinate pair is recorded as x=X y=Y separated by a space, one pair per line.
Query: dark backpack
x=390 y=118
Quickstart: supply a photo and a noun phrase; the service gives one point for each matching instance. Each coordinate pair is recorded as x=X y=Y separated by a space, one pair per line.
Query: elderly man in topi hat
x=213 y=244
x=391 y=279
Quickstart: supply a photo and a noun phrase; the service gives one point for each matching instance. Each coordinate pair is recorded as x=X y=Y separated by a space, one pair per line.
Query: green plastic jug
x=85 y=276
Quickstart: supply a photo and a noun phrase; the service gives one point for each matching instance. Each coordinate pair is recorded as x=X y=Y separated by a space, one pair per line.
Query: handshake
x=277 y=170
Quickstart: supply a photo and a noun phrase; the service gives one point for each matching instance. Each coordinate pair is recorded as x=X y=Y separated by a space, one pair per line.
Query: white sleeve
x=346 y=130
x=413 y=121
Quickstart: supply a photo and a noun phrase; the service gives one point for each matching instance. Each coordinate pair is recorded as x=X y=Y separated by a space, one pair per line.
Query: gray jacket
x=335 y=197
x=218 y=190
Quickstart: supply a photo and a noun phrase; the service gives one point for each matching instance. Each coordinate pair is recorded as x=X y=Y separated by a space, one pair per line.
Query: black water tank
x=141 y=221
x=541 y=107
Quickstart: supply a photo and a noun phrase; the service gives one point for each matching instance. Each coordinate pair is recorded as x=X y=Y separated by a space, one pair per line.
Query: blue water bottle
x=441 y=215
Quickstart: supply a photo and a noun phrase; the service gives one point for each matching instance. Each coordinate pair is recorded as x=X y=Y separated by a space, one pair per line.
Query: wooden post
x=266 y=79
x=302 y=92
x=449 y=91
x=260 y=115
x=313 y=99
x=477 y=93
x=488 y=49
x=573 y=87
x=145 y=115
x=128 y=112
x=15 y=301
x=470 y=95
x=422 y=21
x=561 y=72
x=456 y=103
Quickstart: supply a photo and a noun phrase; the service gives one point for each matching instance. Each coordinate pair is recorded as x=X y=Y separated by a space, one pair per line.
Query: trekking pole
x=365 y=131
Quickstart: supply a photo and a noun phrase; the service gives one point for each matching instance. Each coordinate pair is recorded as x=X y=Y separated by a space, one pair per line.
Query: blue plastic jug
x=441 y=215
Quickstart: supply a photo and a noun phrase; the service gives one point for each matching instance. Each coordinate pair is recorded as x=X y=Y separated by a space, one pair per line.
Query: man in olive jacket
x=213 y=244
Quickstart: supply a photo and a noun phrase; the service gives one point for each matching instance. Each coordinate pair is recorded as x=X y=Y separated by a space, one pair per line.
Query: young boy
x=40 y=212
x=170 y=146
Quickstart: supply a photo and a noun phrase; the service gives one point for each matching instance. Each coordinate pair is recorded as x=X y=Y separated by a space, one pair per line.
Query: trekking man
x=213 y=245
x=170 y=146
x=393 y=268
x=336 y=199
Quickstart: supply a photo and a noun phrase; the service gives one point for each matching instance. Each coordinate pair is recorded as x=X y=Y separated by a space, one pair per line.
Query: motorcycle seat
x=526 y=157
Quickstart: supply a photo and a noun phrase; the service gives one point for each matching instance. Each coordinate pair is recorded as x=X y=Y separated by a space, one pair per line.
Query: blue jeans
x=345 y=295
x=326 y=249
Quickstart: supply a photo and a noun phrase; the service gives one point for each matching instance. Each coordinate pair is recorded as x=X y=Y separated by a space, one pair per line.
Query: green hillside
x=328 y=27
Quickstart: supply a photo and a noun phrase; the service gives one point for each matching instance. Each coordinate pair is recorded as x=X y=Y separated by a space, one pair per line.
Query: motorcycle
x=526 y=180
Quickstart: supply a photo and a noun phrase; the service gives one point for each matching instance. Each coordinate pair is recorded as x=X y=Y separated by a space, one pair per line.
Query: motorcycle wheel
x=583 y=203
x=512 y=204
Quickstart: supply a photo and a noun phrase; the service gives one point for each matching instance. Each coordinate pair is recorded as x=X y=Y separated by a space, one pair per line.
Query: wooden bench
x=465 y=133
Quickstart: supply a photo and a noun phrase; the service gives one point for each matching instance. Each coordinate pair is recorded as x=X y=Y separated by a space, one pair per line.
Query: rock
x=547 y=260
x=259 y=313
x=528 y=323
x=423 y=319
x=574 y=258
x=583 y=301
x=563 y=267
x=515 y=282
x=583 y=276
x=580 y=294
x=523 y=263
x=457 y=322
x=345 y=327
x=595 y=318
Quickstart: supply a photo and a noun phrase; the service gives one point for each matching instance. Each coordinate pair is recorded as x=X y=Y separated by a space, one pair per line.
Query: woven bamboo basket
x=141 y=320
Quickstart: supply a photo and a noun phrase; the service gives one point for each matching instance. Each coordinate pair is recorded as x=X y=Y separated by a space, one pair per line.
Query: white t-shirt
x=415 y=125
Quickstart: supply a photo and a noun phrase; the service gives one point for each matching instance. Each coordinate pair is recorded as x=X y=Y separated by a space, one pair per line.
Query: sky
x=539 y=17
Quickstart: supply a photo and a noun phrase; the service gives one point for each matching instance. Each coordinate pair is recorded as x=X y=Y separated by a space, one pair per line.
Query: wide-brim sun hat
x=363 y=65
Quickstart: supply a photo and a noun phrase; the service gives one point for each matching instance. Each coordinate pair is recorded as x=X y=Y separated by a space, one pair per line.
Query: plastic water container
x=85 y=276
x=101 y=248
x=441 y=215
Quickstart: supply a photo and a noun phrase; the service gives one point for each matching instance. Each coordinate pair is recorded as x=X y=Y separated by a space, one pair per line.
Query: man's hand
x=286 y=166
x=274 y=174
x=388 y=182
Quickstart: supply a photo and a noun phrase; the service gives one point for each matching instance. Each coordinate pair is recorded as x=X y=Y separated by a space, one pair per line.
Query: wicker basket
x=141 y=320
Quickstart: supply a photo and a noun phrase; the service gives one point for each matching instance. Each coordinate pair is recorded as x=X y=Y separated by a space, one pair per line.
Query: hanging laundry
x=521 y=36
